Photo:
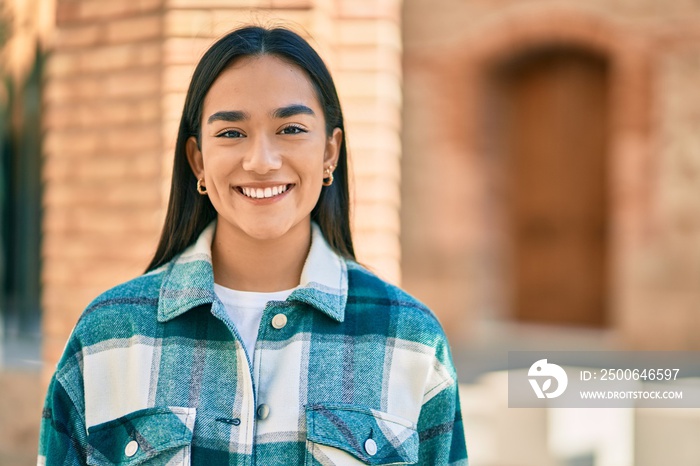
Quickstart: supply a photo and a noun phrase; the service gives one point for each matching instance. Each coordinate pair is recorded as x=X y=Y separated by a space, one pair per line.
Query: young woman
x=254 y=338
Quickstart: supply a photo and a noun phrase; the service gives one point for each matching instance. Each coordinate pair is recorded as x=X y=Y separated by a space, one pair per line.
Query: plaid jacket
x=348 y=370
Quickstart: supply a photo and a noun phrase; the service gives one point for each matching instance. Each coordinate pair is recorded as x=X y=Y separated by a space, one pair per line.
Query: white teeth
x=260 y=193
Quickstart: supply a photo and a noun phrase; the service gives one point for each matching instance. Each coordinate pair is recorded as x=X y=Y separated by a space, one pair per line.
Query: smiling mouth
x=263 y=193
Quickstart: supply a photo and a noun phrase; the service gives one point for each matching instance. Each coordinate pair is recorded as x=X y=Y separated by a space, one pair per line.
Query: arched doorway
x=549 y=130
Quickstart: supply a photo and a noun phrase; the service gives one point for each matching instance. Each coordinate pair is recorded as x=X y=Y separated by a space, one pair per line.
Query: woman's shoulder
x=140 y=290
x=122 y=313
x=121 y=308
x=368 y=293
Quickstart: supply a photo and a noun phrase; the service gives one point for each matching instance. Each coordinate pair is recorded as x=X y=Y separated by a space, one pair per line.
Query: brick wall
x=367 y=70
x=115 y=86
x=661 y=291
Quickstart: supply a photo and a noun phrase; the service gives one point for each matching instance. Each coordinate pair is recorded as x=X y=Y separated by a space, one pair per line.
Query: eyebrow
x=292 y=110
x=281 y=113
x=230 y=115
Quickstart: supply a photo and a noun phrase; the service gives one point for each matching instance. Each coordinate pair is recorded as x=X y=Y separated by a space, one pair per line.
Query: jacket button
x=371 y=447
x=263 y=412
x=279 y=321
x=131 y=448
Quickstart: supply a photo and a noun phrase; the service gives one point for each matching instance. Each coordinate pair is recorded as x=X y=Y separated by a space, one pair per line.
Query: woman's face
x=264 y=147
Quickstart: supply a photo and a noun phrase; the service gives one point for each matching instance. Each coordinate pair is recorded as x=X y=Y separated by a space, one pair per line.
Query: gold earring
x=328 y=180
x=201 y=189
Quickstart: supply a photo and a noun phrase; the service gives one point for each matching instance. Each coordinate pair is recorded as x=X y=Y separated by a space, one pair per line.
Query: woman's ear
x=194 y=157
x=333 y=147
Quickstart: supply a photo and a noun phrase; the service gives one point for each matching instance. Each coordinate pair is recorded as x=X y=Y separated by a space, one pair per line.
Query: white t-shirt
x=245 y=309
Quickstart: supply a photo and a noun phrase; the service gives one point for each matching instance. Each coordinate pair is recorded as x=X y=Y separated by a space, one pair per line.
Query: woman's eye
x=231 y=133
x=293 y=130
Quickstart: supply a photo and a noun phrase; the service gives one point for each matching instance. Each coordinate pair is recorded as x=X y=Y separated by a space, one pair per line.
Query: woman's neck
x=250 y=264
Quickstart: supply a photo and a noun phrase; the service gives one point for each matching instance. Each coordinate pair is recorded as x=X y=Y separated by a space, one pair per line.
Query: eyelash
x=298 y=129
x=223 y=134
x=228 y=134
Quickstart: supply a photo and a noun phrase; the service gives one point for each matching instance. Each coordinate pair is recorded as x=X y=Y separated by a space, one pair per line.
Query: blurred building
x=551 y=166
x=529 y=169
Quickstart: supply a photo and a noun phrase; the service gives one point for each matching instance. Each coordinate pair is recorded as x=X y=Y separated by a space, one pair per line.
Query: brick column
x=102 y=119
x=367 y=71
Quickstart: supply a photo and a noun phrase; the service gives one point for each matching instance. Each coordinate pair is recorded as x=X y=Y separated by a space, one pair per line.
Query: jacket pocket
x=349 y=434
x=149 y=437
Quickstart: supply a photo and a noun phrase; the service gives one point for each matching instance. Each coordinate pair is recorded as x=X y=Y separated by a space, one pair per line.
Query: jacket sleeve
x=440 y=430
x=63 y=438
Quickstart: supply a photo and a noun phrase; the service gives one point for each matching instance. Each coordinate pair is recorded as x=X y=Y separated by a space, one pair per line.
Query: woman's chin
x=268 y=231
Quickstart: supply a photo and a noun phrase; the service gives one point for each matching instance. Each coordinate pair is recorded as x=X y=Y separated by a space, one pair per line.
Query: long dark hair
x=189 y=212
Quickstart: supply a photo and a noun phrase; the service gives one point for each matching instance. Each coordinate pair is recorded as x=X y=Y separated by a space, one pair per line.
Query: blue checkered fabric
x=155 y=373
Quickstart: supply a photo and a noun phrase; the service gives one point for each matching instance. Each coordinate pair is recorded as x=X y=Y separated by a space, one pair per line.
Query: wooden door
x=555 y=138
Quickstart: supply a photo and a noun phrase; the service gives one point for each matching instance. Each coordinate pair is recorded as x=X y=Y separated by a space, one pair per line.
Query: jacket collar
x=188 y=279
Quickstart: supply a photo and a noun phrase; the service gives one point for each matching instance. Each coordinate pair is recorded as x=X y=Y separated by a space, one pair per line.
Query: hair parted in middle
x=189 y=212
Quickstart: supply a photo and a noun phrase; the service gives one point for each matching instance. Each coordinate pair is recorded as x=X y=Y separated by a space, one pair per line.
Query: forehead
x=260 y=84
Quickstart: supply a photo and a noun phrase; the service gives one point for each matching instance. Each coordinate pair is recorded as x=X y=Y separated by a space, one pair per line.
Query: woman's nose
x=262 y=156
